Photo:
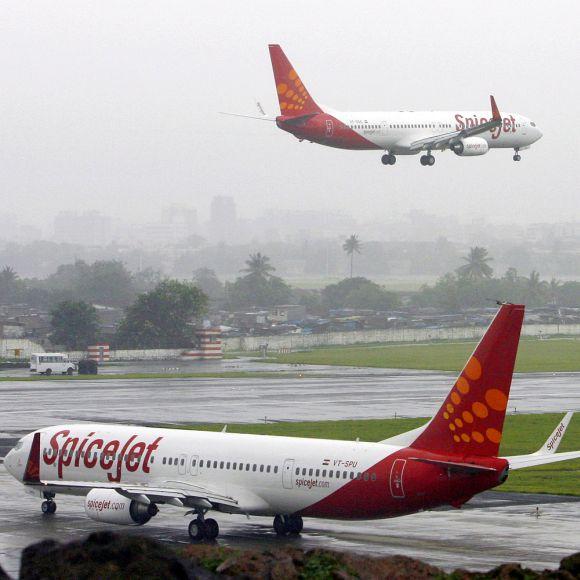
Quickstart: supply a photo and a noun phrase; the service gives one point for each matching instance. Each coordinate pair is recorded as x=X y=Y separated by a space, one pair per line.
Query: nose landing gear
x=284 y=525
x=388 y=159
x=517 y=156
x=48 y=506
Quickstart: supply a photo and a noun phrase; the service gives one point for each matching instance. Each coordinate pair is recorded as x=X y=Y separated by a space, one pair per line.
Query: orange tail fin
x=470 y=421
x=294 y=98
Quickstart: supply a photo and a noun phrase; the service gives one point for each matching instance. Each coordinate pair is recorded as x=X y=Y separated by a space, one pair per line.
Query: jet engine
x=470 y=146
x=106 y=505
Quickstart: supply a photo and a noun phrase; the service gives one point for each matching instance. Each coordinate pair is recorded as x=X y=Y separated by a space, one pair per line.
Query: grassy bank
x=522 y=434
x=533 y=356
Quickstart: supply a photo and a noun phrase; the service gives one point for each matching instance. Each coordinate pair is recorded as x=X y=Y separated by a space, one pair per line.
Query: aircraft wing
x=448 y=139
x=547 y=452
x=176 y=493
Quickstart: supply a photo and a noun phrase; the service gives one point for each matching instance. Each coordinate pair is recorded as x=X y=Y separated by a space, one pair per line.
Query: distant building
x=223 y=219
x=288 y=313
x=11 y=329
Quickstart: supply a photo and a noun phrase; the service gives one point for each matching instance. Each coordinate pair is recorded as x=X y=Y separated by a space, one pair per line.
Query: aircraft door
x=329 y=128
x=194 y=465
x=396 y=479
x=287 y=474
x=182 y=465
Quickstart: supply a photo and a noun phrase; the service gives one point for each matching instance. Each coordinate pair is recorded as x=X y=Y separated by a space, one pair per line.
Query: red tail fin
x=470 y=421
x=293 y=97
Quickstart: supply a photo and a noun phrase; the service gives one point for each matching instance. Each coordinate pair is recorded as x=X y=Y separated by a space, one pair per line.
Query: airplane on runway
x=466 y=133
x=126 y=472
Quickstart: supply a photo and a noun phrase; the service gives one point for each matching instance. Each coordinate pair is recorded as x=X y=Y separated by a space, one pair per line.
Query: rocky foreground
x=114 y=556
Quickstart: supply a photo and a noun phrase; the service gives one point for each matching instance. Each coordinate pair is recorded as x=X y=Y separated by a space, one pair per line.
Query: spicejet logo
x=115 y=455
x=508 y=125
x=556 y=436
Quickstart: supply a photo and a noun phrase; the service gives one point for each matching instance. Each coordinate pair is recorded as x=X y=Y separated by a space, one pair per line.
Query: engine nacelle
x=470 y=146
x=106 y=505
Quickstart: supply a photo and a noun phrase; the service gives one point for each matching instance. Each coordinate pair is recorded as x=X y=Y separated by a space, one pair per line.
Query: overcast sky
x=113 y=105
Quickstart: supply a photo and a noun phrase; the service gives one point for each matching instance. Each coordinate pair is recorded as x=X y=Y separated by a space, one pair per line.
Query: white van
x=47 y=363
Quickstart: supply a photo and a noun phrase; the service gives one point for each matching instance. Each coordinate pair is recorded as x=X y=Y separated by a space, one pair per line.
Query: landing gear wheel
x=388 y=159
x=48 y=507
x=294 y=524
x=517 y=157
x=48 y=372
x=196 y=530
x=427 y=160
x=69 y=372
x=212 y=529
x=280 y=526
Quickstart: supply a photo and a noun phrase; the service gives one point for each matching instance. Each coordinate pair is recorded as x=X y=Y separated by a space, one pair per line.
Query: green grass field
x=533 y=356
x=522 y=434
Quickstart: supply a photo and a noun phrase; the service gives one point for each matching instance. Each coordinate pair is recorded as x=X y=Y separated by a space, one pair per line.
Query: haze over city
x=114 y=107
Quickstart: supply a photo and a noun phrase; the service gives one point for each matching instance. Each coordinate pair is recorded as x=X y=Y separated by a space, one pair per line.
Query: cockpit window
x=18 y=445
x=532 y=124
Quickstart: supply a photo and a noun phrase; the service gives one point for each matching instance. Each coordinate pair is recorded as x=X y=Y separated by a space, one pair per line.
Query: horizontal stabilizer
x=405 y=439
x=547 y=453
x=259 y=118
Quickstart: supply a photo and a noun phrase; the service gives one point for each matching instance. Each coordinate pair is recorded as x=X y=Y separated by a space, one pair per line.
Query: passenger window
x=297 y=471
x=193 y=462
x=261 y=468
x=247 y=467
x=241 y=467
x=373 y=476
x=228 y=465
x=254 y=467
x=324 y=473
x=170 y=461
x=359 y=476
x=330 y=473
x=183 y=462
x=275 y=469
x=164 y=461
x=221 y=464
x=310 y=471
x=344 y=475
x=304 y=471
x=268 y=470
x=352 y=475
x=317 y=472
x=215 y=464
x=366 y=476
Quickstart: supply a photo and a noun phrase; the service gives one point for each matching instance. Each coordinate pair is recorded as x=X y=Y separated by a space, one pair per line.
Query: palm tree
x=477 y=267
x=554 y=287
x=8 y=275
x=352 y=245
x=258 y=265
x=535 y=288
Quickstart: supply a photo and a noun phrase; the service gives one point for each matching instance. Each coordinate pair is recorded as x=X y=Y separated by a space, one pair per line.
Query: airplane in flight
x=126 y=472
x=466 y=133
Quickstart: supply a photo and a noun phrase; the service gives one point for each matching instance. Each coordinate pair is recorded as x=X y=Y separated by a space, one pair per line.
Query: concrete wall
x=8 y=345
x=299 y=341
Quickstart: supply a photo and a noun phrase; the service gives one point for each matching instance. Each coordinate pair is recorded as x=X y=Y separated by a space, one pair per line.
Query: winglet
x=556 y=437
x=495 y=115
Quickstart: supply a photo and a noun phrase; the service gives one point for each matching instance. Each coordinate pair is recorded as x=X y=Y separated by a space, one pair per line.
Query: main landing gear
x=388 y=159
x=203 y=528
x=427 y=160
x=48 y=506
x=517 y=156
x=284 y=525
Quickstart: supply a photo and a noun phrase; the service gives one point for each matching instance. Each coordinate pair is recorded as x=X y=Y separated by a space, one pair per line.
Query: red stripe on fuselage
x=423 y=486
x=325 y=129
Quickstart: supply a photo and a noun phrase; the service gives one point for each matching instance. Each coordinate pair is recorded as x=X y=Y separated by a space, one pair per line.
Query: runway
x=476 y=538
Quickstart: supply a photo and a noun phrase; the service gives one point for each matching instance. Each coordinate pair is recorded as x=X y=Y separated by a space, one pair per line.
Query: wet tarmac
x=492 y=528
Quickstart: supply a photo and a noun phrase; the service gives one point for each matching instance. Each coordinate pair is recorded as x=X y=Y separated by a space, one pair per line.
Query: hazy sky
x=113 y=105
